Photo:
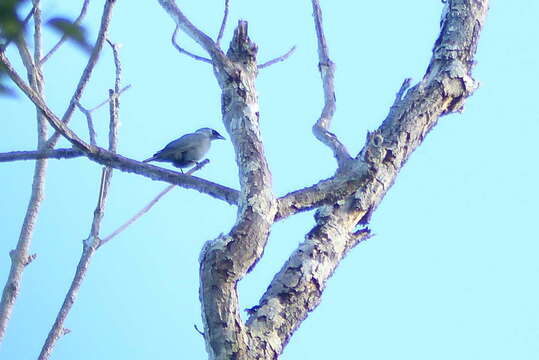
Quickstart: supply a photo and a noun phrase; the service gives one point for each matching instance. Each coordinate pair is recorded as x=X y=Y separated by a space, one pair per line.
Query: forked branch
x=327 y=72
x=297 y=288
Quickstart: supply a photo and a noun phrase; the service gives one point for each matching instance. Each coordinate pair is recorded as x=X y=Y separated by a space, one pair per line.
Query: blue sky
x=452 y=271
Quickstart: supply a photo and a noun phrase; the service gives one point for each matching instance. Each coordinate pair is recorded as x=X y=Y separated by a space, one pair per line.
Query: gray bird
x=187 y=150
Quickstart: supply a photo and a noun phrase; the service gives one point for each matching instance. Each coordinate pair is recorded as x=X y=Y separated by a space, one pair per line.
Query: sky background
x=452 y=271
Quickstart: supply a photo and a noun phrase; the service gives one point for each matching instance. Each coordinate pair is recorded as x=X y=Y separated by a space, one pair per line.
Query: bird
x=187 y=150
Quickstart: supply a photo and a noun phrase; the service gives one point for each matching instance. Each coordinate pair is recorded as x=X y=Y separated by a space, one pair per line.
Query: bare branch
x=40 y=154
x=217 y=55
x=297 y=288
x=20 y=257
x=90 y=123
x=105 y=102
x=114 y=103
x=225 y=260
x=107 y=158
x=37 y=31
x=327 y=72
x=113 y=98
x=90 y=245
x=87 y=72
x=60 y=127
x=398 y=97
x=326 y=192
x=88 y=114
x=185 y=52
x=117 y=65
x=93 y=242
x=278 y=59
x=64 y=37
x=223 y=24
x=148 y=207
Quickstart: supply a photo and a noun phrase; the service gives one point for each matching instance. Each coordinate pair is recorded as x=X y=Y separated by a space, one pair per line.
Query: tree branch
x=297 y=288
x=325 y=192
x=327 y=72
x=90 y=122
x=225 y=260
x=218 y=57
x=20 y=257
x=148 y=207
x=107 y=158
x=87 y=72
x=278 y=59
x=90 y=245
x=93 y=242
x=223 y=24
x=105 y=102
x=183 y=51
x=40 y=154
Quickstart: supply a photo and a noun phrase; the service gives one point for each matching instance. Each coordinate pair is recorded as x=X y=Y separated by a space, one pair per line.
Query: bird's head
x=212 y=134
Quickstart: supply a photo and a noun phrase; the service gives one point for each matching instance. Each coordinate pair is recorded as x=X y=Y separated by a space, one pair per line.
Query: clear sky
x=452 y=271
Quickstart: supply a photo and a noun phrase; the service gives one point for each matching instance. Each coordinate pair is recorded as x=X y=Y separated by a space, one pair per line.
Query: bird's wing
x=185 y=143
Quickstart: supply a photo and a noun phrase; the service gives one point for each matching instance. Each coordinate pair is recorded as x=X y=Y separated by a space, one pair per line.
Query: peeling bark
x=227 y=259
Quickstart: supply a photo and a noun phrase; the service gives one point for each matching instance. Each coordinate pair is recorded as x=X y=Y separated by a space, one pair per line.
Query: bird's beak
x=220 y=137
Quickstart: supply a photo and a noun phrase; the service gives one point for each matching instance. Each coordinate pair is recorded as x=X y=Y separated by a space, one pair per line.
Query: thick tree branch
x=297 y=288
x=327 y=72
x=224 y=261
x=328 y=191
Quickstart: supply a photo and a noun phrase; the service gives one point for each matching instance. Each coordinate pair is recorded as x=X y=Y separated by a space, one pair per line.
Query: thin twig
x=114 y=103
x=327 y=72
x=398 y=97
x=40 y=154
x=148 y=206
x=90 y=245
x=405 y=85
x=198 y=330
x=117 y=66
x=88 y=114
x=93 y=242
x=223 y=24
x=105 y=102
x=64 y=37
x=87 y=72
x=278 y=59
x=90 y=123
x=217 y=55
x=37 y=37
x=183 y=51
